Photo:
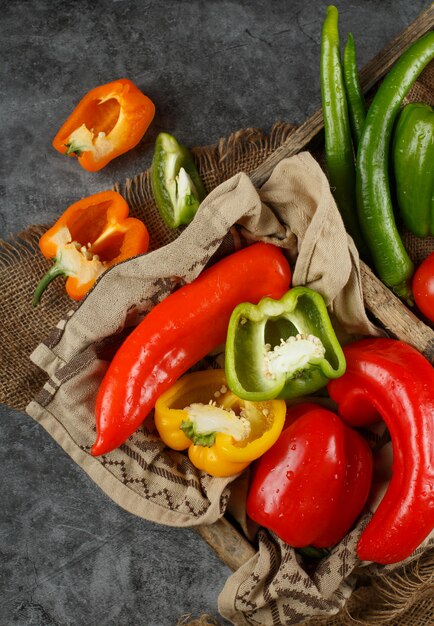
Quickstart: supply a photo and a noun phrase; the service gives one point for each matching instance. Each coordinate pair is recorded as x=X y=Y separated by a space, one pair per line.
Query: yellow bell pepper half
x=221 y=432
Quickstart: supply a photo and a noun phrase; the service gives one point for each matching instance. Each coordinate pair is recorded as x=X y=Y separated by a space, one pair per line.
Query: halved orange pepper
x=110 y=120
x=222 y=433
x=92 y=235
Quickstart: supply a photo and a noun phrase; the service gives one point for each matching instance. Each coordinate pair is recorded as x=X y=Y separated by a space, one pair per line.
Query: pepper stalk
x=206 y=420
x=74 y=260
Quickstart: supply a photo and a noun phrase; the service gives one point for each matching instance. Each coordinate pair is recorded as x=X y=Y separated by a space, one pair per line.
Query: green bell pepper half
x=282 y=348
x=177 y=187
x=413 y=162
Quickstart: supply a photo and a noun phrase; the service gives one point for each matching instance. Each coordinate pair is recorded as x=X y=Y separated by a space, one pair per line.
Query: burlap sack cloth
x=294 y=210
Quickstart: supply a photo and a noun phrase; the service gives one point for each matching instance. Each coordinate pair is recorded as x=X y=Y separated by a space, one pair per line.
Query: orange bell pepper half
x=92 y=235
x=108 y=121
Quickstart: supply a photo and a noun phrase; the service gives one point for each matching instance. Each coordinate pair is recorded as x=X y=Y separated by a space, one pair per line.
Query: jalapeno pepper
x=282 y=348
x=177 y=187
x=413 y=162
x=376 y=217
x=223 y=434
x=92 y=235
x=338 y=145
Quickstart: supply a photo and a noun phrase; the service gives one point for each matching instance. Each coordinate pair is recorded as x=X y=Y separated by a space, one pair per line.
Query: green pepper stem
x=73 y=150
x=404 y=291
x=314 y=553
x=52 y=273
x=202 y=439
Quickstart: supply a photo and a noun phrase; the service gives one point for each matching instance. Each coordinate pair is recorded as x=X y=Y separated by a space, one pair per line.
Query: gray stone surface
x=68 y=555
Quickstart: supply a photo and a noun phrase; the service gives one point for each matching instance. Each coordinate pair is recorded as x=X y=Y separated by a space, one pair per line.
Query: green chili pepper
x=313 y=553
x=390 y=258
x=282 y=348
x=356 y=100
x=413 y=162
x=177 y=187
x=338 y=145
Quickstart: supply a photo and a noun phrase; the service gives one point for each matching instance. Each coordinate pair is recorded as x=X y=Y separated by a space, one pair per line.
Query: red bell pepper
x=297 y=410
x=177 y=333
x=389 y=378
x=310 y=487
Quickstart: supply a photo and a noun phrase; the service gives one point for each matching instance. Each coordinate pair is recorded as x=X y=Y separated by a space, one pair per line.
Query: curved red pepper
x=313 y=483
x=389 y=378
x=177 y=333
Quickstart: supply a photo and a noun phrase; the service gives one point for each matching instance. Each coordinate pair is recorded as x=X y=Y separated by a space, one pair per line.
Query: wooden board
x=229 y=544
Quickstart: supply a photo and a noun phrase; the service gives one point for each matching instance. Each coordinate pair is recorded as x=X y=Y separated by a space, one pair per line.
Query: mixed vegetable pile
x=312 y=467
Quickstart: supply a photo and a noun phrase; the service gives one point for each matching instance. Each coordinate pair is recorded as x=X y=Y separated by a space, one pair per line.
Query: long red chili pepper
x=389 y=378
x=177 y=333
